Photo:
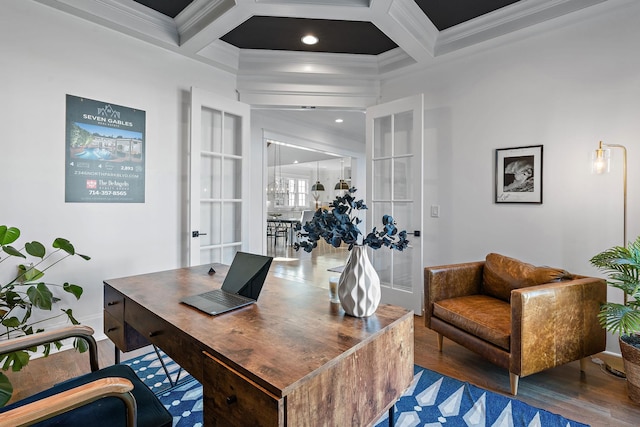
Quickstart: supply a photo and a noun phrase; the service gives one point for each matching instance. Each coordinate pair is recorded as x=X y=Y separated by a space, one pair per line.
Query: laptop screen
x=247 y=274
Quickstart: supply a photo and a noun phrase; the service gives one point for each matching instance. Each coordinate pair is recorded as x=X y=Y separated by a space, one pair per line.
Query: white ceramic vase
x=359 y=285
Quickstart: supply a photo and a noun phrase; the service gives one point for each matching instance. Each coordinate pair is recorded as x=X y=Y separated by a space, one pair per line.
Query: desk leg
x=391 y=414
x=116 y=356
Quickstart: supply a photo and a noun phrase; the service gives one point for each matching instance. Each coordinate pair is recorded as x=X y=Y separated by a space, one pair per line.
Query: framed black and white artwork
x=518 y=177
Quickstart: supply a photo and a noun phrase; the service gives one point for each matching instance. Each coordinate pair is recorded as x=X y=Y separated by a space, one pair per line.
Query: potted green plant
x=622 y=266
x=359 y=284
x=24 y=293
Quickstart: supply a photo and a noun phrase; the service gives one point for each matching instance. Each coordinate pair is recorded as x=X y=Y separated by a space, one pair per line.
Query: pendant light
x=342 y=184
x=317 y=188
x=277 y=189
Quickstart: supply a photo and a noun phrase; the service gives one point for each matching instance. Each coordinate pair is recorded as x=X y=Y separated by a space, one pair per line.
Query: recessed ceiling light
x=339 y=120
x=309 y=39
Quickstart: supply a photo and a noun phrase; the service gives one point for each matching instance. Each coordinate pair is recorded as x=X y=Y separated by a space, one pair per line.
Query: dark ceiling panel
x=171 y=8
x=278 y=33
x=449 y=13
x=354 y=37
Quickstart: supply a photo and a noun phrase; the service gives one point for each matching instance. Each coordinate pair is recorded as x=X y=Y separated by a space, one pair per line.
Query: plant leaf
x=8 y=235
x=35 y=249
x=69 y=313
x=6 y=389
x=80 y=345
x=64 y=245
x=40 y=296
x=16 y=360
x=73 y=289
x=29 y=274
x=12 y=251
x=11 y=322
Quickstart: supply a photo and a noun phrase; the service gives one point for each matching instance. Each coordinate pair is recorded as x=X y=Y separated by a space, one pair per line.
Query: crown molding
x=123 y=16
x=506 y=20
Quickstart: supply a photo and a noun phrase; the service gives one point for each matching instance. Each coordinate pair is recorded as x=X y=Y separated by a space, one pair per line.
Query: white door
x=219 y=179
x=394 y=187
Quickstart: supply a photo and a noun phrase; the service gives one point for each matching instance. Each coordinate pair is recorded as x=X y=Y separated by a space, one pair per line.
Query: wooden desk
x=292 y=359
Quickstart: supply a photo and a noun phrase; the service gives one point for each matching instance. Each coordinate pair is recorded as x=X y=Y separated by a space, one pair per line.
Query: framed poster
x=104 y=152
x=518 y=176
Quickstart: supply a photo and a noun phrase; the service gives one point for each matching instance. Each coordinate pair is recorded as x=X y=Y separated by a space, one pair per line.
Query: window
x=297 y=190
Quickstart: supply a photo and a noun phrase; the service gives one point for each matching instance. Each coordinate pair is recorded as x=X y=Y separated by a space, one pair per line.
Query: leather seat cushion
x=502 y=274
x=485 y=317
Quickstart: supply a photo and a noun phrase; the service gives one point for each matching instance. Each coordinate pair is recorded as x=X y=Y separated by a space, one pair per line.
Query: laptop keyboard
x=225 y=298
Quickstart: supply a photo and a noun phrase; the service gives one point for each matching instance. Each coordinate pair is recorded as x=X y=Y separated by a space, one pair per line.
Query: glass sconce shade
x=601 y=160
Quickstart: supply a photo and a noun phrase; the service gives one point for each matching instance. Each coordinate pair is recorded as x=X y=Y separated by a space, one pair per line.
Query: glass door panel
x=218 y=213
x=394 y=158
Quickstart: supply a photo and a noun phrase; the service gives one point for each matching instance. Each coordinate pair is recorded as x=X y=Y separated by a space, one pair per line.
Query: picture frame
x=518 y=175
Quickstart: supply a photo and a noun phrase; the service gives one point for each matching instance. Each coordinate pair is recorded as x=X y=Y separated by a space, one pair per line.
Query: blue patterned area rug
x=432 y=400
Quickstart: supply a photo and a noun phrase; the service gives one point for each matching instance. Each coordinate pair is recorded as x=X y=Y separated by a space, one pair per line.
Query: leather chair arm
x=555 y=323
x=75 y=331
x=450 y=281
x=71 y=399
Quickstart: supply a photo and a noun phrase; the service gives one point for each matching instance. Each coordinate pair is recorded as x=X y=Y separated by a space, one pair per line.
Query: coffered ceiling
x=385 y=35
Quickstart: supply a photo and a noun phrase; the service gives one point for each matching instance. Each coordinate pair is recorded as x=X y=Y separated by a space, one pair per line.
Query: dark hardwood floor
x=594 y=397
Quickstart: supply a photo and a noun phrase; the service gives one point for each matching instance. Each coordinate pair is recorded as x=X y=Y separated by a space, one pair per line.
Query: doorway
x=299 y=181
x=301 y=147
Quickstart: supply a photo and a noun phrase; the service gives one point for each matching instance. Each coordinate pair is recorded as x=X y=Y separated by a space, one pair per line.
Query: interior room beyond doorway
x=299 y=181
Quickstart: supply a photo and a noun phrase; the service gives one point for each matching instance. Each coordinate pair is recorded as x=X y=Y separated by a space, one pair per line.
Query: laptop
x=240 y=288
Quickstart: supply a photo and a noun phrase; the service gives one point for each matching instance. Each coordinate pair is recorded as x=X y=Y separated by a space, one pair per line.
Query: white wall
x=561 y=86
x=46 y=54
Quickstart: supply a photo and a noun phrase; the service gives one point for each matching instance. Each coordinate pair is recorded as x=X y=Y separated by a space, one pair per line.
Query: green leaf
x=29 y=273
x=85 y=257
x=80 y=345
x=8 y=235
x=73 y=289
x=6 y=389
x=12 y=322
x=64 y=245
x=35 y=249
x=12 y=251
x=16 y=360
x=69 y=313
x=40 y=296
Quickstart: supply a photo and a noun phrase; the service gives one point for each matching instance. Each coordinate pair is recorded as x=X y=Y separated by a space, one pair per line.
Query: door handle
x=197 y=234
x=415 y=233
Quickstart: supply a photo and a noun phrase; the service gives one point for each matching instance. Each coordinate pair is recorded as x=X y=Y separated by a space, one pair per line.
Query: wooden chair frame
x=71 y=399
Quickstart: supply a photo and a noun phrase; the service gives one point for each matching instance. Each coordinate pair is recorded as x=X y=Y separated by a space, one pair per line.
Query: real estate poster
x=105 y=152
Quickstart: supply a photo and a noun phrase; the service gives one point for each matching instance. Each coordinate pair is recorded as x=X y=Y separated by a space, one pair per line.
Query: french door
x=218 y=152
x=394 y=186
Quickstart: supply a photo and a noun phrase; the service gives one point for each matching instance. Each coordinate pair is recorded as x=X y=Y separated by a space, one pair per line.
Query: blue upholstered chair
x=112 y=396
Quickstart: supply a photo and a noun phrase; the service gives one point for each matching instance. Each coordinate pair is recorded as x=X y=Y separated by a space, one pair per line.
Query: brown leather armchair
x=518 y=316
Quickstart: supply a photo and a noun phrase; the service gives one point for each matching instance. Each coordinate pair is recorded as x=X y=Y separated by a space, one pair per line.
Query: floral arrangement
x=340 y=225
